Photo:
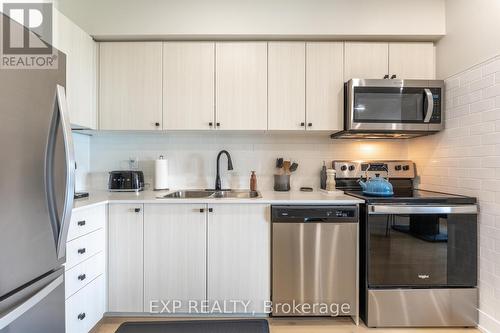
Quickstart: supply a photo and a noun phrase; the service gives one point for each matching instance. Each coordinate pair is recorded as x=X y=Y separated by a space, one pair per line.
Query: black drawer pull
x=82 y=277
x=82 y=250
x=137 y=210
x=302 y=124
x=81 y=223
x=218 y=124
x=202 y=210
x=81 y=316
x=210 y=124
x=210 y=210
x=157 y=124
x=310 y=124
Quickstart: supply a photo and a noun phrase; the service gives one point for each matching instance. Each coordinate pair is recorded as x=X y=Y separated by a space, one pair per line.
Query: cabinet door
x=366 y=60
x=188 y=85
x=287 y=85
x=174 y=254
x=81 y=70
x=241 y=85
x=325 y=86
x=125 y=258
x=239 y=254
x=412 y=60
x=130 y=80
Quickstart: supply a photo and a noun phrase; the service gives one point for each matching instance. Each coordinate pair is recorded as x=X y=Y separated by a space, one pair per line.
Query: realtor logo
x=27 y=36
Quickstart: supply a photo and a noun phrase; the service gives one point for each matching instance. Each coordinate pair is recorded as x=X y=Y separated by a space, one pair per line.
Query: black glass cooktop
x=415 y=196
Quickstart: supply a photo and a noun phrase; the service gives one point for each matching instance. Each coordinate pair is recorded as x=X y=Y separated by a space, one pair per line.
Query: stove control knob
x=397 y=167
x=406 y=167
x=343 y=168
x=351 y=168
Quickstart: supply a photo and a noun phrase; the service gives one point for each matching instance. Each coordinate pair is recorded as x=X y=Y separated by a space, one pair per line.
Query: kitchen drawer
x=84 y=247
x=85 y=308
x=82 y=274
x=87 y=220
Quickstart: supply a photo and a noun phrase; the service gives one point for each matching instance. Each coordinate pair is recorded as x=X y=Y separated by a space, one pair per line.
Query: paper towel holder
x=160 y=185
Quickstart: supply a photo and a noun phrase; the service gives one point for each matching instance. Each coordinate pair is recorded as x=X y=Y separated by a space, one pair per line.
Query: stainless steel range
x=418 y=250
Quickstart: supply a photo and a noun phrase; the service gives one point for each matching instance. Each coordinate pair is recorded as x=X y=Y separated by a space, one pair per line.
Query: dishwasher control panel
x=314 y=213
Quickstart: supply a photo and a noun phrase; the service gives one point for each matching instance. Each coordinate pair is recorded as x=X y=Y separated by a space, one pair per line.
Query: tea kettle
x=377 y=186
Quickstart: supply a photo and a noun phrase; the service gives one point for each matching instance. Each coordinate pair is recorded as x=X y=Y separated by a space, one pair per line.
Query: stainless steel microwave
x=392 y=108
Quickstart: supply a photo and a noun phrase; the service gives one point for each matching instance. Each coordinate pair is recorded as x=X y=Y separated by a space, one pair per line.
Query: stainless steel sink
x=212 y=194
x=237 y=194
x=189 y=194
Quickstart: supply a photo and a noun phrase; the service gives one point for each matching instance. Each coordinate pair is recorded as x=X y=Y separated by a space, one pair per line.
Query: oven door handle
x=430 y=105
x=418 y=209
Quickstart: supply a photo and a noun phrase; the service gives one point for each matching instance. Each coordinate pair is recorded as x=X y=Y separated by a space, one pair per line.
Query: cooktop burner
x=414 y=196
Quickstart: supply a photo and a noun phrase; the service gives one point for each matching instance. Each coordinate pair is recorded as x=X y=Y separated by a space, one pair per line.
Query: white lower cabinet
x=125 y=258
x=85 y=271
x=174 y=254
x=239 y=255
x=85 y=308
x=192 y=252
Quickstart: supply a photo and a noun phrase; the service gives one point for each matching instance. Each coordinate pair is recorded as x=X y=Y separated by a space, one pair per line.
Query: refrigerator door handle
x=18 y=311
x=60 y=225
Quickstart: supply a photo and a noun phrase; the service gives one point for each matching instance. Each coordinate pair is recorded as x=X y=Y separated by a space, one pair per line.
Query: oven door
x=421 y=246
x=394 y=105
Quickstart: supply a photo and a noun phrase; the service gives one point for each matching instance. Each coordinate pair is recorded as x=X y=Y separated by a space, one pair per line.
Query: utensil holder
x=282 y=183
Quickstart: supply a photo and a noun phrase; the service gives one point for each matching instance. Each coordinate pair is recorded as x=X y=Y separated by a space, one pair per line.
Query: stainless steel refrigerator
x=36 y=197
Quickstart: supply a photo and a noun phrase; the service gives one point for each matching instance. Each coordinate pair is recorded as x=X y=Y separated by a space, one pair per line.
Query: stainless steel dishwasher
x=314 y=260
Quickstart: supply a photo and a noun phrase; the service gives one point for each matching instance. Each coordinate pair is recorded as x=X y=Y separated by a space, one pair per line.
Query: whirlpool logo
x=424 y=276
x=27 y=36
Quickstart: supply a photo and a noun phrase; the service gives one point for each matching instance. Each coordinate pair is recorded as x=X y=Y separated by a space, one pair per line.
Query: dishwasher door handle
x=314 y=219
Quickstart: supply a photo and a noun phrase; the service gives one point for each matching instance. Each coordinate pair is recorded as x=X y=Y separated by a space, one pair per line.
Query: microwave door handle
x=430 y=105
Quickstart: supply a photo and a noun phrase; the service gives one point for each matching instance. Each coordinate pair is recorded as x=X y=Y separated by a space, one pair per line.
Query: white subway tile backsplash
x=482 y=83
x=482 y=105
x=491 y=91
x=465 y=159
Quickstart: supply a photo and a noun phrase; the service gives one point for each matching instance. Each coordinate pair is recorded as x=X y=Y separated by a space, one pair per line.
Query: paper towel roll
x=161 y=174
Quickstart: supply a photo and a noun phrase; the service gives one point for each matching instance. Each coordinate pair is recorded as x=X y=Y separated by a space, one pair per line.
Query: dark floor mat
x=196 y=326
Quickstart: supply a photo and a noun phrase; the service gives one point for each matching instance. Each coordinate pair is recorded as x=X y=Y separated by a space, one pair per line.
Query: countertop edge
x=150 y=197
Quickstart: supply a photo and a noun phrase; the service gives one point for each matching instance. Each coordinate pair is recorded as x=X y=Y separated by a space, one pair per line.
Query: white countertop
x=268 y=197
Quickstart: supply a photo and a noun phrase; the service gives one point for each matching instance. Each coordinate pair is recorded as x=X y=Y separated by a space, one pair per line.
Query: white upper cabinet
x=324 y=86
x=412 y=60
x=366 y=60
x=188 y=85
x=375 y=60
x=287 y=85
x=130 y=86
x=174 y=253
x=241 y=85
x=81 y=70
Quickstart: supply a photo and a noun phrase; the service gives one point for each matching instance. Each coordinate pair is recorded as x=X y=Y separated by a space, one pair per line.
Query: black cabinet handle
x=393 y=76
x=302 y=124
x=82 y=250
x=137 y=210
x=309 y=124
x=157 y=124
x=218 y=124
x=210 y=124
x=81 y=223
x=81 y=316
x=202 y=210
x=82 y=277
x=210 y=210
x=386 y=76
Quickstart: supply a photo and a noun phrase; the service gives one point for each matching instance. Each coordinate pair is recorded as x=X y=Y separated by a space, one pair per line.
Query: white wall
x=369 y=18
x=192 y=156
x=465 y=159
x=472 y=35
